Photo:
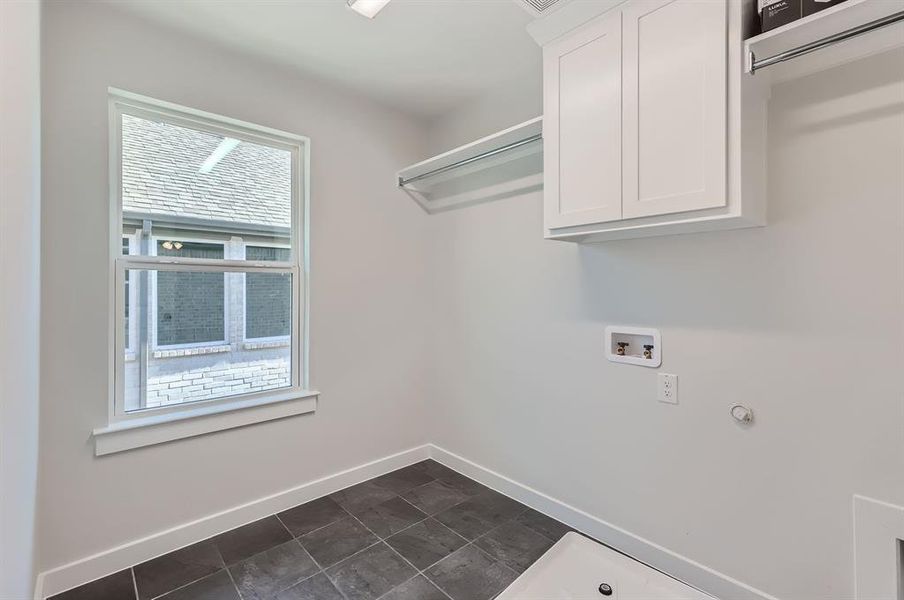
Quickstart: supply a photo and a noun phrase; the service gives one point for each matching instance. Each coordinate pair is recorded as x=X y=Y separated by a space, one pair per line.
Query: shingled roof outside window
x=161 y=180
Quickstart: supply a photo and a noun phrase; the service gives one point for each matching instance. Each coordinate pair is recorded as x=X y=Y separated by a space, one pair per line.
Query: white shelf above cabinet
x=832 y=21
x=497 y=166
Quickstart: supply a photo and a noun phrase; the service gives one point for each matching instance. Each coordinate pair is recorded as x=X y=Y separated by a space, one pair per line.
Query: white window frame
x=152 y=301
x=130 y=350
x=126 y=430
x=245 y=338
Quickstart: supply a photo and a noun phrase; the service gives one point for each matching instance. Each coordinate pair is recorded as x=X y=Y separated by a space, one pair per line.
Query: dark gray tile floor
x=423 y=532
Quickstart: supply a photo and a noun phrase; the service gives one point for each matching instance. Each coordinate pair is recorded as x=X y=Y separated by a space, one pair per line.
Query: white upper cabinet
x=674 y=57
x=648 y=122
x=582 y=167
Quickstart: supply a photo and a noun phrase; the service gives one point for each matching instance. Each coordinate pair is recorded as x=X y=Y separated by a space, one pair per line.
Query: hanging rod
x=403 y=182
x=755 y=65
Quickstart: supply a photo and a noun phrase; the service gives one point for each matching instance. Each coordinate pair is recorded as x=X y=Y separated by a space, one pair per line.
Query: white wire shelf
x=497 y=166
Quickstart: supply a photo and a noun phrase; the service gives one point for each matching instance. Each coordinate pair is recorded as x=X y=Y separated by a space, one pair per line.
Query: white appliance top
x=575 y=567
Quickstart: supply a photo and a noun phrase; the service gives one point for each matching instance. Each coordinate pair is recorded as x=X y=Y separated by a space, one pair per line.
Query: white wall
x=368 y=267
x=802 y=320
x=20 y=214
x=515 y=101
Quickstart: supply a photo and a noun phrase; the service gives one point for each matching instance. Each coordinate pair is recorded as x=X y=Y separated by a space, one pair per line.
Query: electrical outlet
x=668 y=388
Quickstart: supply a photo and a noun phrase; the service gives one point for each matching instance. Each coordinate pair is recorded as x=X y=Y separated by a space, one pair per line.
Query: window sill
x=265 y=344
x=192 y=351
x=160 y=428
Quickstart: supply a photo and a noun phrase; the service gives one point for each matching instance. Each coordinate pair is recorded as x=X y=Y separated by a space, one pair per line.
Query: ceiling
x=423 y=56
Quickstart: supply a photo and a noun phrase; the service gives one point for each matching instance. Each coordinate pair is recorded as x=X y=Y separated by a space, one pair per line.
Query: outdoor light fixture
x=219 y=153
x=368 y=8
x=172 y=245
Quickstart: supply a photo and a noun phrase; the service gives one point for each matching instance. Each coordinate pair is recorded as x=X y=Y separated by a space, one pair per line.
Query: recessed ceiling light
x=220 y=152
x=368 y=8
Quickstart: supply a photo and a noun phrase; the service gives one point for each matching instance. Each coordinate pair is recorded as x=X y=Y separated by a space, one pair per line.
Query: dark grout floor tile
x=545 y=526
x=338 y=541
x=390 y=517
x=370 y=574
x=434 y=469
x=403 y=479
x=253 y=538
x=117 y=586
x=312 y=515
x=318 y=587
x=426 y=543
x=454 y=479
x=469 y=574
x=476 y=516
x=213 y=587
x=435 y=497
x=359 y=498
x=515 y=545
x=271 y=571
x=180 y=567
x=418 y=588
x=280 y=557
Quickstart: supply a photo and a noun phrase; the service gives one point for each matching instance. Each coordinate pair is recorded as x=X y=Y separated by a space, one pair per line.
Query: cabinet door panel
x=674 y=106
x=582 y=125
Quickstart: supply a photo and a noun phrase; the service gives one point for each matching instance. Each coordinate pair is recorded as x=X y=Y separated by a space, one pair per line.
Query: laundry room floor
x=424 y=532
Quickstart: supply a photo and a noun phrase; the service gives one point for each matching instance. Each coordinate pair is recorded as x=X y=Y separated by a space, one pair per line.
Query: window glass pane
x=268 y=296
x=177 y=181
x=191 y=305
x=156 y=377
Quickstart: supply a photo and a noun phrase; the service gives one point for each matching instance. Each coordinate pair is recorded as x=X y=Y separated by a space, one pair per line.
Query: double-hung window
x=208 y=237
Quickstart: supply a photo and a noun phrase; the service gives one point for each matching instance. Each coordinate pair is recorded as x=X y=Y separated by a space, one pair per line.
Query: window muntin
x=128 y=295
x=193 y=216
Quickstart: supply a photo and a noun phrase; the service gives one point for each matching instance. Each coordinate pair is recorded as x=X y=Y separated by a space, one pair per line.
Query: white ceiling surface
x=423 y=56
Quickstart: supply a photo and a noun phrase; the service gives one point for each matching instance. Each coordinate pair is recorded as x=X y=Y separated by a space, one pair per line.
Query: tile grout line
x=320 y=569
x=467 y=542
x=391 y=549
x=422 y=572
x=134 y=583
x=232 y=580
x=225 y=567
x=342 y=508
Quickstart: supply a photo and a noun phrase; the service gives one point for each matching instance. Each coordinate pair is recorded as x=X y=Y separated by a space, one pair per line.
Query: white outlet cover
x=668 y=388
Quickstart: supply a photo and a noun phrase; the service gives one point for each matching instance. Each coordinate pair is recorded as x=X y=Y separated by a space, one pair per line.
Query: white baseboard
x=137 y=551
x=121 y=557
x=682 y=568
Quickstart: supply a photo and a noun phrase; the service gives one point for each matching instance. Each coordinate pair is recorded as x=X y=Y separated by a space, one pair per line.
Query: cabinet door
x=674 y=106
x=582 y=125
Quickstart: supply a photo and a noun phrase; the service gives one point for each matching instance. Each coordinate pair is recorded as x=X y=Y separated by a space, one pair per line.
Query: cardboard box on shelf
x=775 y=13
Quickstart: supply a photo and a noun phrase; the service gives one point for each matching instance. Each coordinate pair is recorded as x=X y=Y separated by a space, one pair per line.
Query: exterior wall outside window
x=268 y=296
x=191 y=306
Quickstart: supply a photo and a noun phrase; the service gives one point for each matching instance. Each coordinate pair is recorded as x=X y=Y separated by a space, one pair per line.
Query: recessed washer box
x=634 y=345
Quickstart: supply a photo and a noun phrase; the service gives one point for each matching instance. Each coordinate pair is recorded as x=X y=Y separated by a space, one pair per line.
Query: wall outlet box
x=633 y=345
x=668 y=388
